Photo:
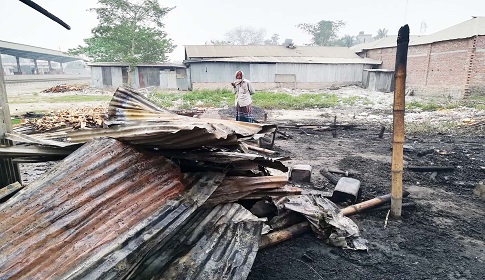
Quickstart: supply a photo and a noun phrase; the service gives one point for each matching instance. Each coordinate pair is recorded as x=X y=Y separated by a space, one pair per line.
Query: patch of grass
x=58 y=99
x=423 y=106
x=477 y=102
x=265 y=100
x=15 y=121
x=443 y=127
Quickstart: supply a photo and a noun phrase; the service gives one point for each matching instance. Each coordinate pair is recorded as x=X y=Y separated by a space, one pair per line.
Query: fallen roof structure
x=87 y=216
x=145 y=209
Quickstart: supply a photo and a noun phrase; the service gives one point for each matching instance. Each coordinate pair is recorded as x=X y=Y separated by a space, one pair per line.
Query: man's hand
x=233 y=85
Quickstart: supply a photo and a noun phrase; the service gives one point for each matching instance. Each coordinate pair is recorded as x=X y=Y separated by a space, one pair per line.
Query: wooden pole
x=398 y=123
x=276 y=237
x=9 y=172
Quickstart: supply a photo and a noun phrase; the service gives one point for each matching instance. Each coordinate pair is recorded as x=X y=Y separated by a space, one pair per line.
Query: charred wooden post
x=277 y=237
x=398 y=120
x=325 y=173
x=334 y=131
x=381 y=133
x=9 y=172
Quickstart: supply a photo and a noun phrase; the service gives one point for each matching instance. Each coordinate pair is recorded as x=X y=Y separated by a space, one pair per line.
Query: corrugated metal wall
x=219 y=72
x=379 y=81
x=97 y=77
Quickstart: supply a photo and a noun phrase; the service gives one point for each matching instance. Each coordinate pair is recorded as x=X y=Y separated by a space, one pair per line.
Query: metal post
x=398 y=125
x=9 y=172
x=35 y=67
x=18 y=64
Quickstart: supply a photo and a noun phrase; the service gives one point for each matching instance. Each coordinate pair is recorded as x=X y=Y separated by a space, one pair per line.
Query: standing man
x=243 y=89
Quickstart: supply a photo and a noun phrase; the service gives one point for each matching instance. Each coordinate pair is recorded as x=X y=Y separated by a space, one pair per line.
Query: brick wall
x=386 y=55
x=477 y=81
x=440 y=68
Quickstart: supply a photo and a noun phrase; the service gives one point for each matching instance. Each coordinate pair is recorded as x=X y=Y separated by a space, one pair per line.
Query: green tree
x=347 y=41
x=324 y=32
x=128 y=32
x=381 y=33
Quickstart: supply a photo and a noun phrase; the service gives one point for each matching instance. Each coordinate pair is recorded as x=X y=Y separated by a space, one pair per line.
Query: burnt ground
x=442 y=237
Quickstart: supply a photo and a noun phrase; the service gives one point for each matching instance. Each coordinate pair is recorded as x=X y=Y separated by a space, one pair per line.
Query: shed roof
x=467 y=29
x=287 y=59
x=472 y=27
x=26 y=51
x=212 y=51
x=273 y=54
x=126 y=64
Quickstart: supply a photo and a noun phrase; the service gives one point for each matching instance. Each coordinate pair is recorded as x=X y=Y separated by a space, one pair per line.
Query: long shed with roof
x=268 y=67
x=448 y=63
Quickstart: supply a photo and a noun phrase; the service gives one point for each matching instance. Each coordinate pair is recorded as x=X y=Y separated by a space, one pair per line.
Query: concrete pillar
x=35 y=67
x=50 y=66
x=62 y=68
x=18 y=64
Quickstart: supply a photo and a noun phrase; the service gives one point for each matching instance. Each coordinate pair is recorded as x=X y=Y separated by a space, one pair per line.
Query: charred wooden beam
x=283 y=235
x=431 y=168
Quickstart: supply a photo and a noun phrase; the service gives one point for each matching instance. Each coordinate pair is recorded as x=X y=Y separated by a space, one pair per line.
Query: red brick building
x=448 y=63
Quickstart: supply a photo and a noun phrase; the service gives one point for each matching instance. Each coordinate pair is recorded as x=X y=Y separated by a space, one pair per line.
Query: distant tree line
x=133 y=32
x=324 y=33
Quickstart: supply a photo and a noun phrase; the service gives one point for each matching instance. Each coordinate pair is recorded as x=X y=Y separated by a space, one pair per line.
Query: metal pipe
x=46 y=13
x=398 y=120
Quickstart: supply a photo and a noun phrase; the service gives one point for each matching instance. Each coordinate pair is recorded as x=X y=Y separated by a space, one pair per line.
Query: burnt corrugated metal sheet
x=136 y=119
x=227 y=158
x=97 y=213
x=217 y=243
x=238 y=187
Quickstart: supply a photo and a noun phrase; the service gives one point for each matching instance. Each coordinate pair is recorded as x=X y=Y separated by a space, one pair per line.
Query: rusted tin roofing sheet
x=97 y=213
x=135 y=119
x=217 y=243
x=238 y=187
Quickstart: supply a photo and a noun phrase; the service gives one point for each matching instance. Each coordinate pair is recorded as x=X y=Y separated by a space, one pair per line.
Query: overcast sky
x=198 y=21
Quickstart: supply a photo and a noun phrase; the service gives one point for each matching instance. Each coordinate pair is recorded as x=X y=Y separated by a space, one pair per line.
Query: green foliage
x=128 y=32
x=15 y=121
x=347 y=41
x=324 y=32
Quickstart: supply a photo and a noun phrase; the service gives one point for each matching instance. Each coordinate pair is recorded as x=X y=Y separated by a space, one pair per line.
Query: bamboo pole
x=9 y=172
x=398 y=120
x=377 y=201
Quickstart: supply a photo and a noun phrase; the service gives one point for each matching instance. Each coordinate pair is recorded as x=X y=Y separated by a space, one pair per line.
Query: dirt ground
x=441 y=237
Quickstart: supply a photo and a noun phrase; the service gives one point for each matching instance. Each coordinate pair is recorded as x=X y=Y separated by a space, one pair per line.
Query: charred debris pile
x=150 y=194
